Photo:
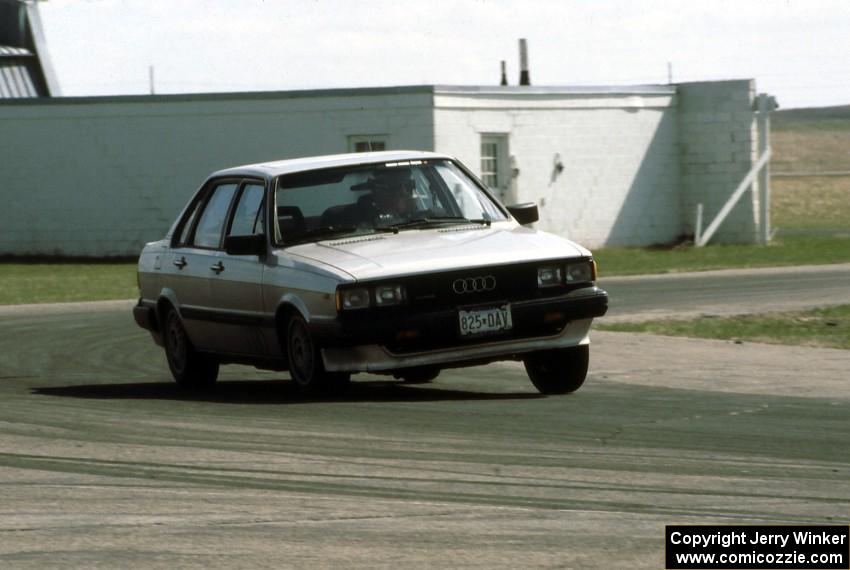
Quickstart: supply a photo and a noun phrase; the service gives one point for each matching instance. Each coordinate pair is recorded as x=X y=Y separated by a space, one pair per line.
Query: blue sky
x=798 y=51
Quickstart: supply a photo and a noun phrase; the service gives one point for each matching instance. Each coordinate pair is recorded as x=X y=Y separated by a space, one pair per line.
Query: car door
x=236 y=282
x=188 y=263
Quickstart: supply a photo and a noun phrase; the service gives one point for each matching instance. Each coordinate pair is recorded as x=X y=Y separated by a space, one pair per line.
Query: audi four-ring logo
x=474 y=284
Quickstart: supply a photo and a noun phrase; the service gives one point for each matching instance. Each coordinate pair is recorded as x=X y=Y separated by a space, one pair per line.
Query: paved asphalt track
x=727 y=291
x=105 y=463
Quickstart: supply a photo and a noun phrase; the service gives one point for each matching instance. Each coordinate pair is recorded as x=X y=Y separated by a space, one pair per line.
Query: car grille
x=476 y=286
x=434 y=299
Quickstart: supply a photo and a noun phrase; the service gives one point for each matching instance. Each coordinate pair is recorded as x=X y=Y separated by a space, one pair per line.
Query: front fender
x=324 y=328
x=295 y=302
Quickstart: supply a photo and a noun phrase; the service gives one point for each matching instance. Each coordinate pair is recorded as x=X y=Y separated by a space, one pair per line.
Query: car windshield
x=363 y=199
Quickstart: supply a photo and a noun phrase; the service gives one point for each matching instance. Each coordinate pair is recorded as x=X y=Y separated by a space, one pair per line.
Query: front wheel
x=189 y=368
x=305 y=361
x=558 y=371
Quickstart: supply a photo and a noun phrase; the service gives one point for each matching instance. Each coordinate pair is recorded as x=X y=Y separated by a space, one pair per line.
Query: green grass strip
x=827 y=327
x=63 y=282
x=783 y=251
x=75 y=281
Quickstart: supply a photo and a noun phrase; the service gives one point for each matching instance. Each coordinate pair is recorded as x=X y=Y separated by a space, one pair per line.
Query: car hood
x=412 y=252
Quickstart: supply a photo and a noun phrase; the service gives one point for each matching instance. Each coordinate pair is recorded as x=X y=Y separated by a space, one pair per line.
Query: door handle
x=217 y=267
x=180 y=263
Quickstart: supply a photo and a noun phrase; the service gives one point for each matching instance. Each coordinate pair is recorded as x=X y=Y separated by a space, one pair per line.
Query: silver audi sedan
x=399 y=263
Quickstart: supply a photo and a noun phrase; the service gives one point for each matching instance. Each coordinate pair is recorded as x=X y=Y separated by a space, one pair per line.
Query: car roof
x=273 y=169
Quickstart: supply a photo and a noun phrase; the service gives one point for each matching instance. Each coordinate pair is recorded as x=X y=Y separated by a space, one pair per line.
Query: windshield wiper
x=321 y=231
x=417 y=222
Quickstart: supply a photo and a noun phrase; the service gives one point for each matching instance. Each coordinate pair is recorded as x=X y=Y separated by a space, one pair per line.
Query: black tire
x=419 y=375
x=190 y=369
x=305 y=361
x=558 y=371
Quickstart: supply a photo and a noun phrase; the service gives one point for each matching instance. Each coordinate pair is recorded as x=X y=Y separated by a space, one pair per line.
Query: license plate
x=489 y=320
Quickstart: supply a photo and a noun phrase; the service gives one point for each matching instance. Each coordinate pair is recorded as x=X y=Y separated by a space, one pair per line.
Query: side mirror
x=525 y=213
x=245 y=245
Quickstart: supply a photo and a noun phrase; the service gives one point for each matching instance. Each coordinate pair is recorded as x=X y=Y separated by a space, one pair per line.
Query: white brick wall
x=718 y=142
x=620 y=181
x=101 y=176
x=91 y=177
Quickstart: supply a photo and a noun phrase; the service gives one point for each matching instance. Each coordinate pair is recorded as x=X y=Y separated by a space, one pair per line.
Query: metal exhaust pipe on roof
x=524 y=78
x=504 y=74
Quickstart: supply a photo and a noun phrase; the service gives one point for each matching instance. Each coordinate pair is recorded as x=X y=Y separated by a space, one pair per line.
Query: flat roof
x=511 y=90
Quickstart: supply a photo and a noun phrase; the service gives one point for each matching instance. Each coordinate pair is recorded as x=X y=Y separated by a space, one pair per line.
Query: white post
x=150 y=78
x=698 y=226
x=764 y=108
x=745 y=185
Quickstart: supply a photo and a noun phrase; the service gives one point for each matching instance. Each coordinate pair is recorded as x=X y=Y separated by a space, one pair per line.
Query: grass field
x=828 y=327
x=61 y=282
x=810 y=151
x=783 y=251
x=811 y=203
x=811 y=140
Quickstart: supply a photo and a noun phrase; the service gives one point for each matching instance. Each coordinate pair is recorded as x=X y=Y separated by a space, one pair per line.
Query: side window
x=248 y=216
x=471 y=202
x=211 y=223
x=187 y=224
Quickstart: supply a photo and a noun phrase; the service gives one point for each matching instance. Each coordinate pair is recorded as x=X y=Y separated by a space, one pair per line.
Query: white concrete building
x=607 y=166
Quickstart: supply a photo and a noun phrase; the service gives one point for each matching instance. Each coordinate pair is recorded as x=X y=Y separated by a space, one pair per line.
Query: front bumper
x=145 y=316
x=401 y=340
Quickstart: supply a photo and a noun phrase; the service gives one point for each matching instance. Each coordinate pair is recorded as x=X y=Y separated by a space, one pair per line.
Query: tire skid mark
x=396 y=487
x=619 y=430
x=299 y=487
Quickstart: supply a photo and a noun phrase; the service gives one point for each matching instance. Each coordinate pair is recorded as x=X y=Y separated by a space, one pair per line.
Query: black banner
x=714 y=546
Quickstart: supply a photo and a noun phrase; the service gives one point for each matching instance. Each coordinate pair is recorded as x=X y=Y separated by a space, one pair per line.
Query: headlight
x=365 y=297
x=386 y=295
x=550 y=276
x=580 y=272
x=354 y=298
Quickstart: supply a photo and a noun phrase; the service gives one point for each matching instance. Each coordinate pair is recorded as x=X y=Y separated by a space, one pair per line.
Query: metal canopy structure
x=25 y=70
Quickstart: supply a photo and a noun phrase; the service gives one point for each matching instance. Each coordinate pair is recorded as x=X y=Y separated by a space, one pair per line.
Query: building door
x=495 y=165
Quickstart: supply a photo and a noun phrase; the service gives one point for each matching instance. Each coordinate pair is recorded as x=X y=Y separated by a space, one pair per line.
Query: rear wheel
x=305 y=361
x=558 y=371
x=189 y=368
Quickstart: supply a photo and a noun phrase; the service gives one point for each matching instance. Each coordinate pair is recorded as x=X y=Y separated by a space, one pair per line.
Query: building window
x=367 y=143
x=490 y=164
x=494 y=163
